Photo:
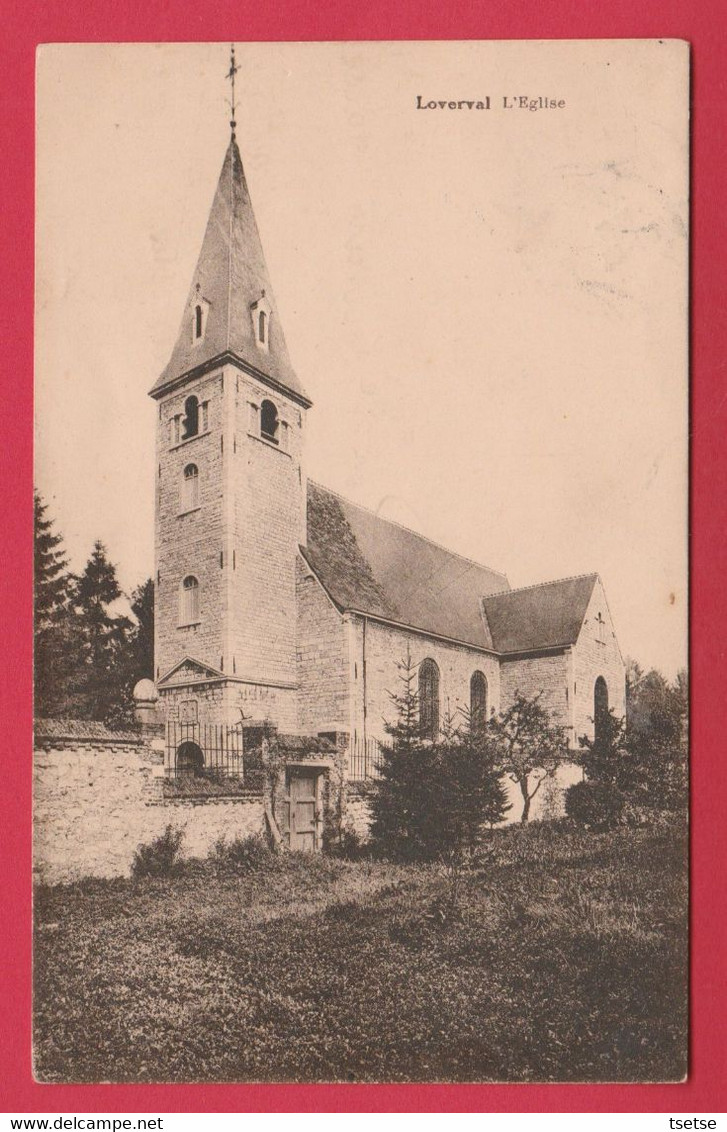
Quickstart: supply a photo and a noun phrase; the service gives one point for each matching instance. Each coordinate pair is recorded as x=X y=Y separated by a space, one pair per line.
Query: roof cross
x=231 y=76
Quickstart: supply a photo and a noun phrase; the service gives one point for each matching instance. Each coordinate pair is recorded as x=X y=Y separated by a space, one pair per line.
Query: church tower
x=230 y=491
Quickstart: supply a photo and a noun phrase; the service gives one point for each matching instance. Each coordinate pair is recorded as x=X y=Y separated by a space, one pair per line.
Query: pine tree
x=142 y=606
x=50 y=562
x=105 y=640
x=399 y=804
x=657 y=714
x=433 y=799
x=467 y=794
x=53 y=651
x=611 y=775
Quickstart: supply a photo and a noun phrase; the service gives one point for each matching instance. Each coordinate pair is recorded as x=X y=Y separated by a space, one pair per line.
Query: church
x=280 y=602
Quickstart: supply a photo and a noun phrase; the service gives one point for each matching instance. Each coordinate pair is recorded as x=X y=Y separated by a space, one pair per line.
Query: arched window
x=189 y=760
x=478 y=700
x=198 y=321
x=600 y=707
x=269 y=422
x=428 y=699
x=191 y=418
x=261 y=326
x=190 y=487
x=189 y=611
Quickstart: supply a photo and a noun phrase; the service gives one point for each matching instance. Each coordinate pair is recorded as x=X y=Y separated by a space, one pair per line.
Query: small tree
x=56 y=659
x=531 y=746
x=432 y=799
x=105 y=641
x=611 y=775
x=467 y=791
x=399 y=803
x=657 y=735
x=142 y=635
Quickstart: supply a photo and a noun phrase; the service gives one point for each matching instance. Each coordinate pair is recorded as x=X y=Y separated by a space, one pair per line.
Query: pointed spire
x=231 y=308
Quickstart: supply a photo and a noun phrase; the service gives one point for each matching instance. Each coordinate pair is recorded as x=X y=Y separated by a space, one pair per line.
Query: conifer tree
x=399 y=804
x=433 y=799
x=53 y=652
x=105 y=639
x=142 y=606
x=611 y=775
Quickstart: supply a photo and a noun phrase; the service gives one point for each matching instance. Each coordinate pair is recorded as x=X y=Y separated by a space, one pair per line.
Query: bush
x=250 y=854
x=160 y=858
x=347 y=846
x=595 y=805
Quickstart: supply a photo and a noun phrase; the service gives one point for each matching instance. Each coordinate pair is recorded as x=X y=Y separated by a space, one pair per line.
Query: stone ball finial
x=145 y=692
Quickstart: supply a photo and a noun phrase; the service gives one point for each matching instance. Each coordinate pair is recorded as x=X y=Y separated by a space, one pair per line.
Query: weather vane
x=231 y=76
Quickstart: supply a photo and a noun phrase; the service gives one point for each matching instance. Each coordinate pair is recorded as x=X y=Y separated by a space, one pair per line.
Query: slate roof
x=374 y=566
x=231 y=275
x=538 y=617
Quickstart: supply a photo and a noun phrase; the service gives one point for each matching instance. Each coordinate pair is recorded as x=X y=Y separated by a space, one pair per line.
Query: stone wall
x=546 y=676
x=358 y=811
x=378 y=649
x=322 y=654
x=190 y=542
x=241 y=543
x=596 y=653
x=266 y=516
x=98 y=795
x=224 y=701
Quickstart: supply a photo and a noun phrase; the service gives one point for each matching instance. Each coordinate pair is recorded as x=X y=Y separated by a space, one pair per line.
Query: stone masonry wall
x=223 y=702
x=323 y=662
x=267 y=516
x=386 y=646
x=190 y=542
x=596 y=653
x=539 y=674
x=358 y=812
x=95 y=801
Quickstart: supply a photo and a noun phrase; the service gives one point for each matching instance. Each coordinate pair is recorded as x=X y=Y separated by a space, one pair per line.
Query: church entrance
x=305 y=809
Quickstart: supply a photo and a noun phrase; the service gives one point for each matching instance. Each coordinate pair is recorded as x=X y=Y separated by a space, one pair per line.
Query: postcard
x=361 y=734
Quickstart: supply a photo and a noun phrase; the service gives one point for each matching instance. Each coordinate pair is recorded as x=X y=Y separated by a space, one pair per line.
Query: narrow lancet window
x=428 y=699
x=189 y=605
x=478 y=700
x=190 y=487
x=269 y=422
x=191 y=418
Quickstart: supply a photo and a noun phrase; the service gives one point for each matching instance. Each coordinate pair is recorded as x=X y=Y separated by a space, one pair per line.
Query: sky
x=488 y=308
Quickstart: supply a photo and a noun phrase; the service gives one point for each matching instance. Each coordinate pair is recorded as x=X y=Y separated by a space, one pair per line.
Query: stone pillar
x=146 y=701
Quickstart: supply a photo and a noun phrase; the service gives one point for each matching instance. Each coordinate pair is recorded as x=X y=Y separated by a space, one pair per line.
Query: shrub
x=431 y=799
x=161 y=857
x=595 y=805
x=348 y=845
x=249 y=854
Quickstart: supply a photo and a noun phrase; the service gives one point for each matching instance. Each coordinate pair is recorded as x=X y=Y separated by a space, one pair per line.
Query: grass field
x=566 y=961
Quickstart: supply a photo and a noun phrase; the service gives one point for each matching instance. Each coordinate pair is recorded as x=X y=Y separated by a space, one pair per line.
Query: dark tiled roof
x=539 y=617
x=81 y=729
x=231 y=276
x=377 y=567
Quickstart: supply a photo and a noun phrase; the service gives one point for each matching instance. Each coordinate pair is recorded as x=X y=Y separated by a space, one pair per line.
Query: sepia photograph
x=361 y=591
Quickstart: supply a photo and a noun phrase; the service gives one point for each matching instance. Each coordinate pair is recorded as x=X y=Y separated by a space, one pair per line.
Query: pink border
x=703 y=23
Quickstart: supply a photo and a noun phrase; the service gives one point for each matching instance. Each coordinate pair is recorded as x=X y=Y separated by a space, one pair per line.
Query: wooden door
x=304 y=811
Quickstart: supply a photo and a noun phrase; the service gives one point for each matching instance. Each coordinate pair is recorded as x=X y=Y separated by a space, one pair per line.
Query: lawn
x=566 y=961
